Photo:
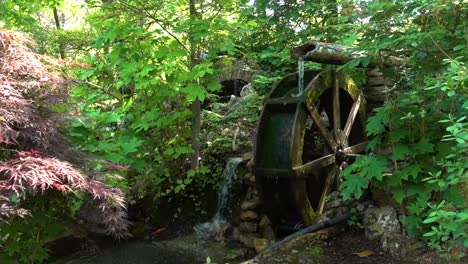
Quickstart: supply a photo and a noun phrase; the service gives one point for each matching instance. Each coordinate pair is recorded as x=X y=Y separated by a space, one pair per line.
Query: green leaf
x=373 y=143
x=431 y=220
x=399 y=152
x=353 y=185
x=424 y=146
x=193 y=91
x=453 y=195
x=374 y=167
x=410 y=172
x=377 y=123
x=413 y=224
x=399 y=195
x=213 y=86
x=131 y=145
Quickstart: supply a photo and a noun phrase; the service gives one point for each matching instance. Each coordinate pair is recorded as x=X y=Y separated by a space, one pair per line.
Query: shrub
x=42 y=194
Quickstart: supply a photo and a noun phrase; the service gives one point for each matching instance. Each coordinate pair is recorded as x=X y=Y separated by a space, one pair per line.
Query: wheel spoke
x=336 y=108
x=356 y=148
x=306 y=169
x=322 y=128
x=351 y=118
x=326 y=188
x=354 y=155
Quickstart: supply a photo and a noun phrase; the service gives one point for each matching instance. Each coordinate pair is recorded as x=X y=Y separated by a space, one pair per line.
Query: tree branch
x=156 y=20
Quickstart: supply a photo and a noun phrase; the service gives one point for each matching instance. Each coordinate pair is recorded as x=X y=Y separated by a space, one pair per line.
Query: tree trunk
x=196 y=127
x=196 y=106
x=329 y=53
x=57 y=25
x=323 y=52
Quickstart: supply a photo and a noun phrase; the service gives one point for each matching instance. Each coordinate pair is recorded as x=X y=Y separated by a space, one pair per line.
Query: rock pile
x=254 y=229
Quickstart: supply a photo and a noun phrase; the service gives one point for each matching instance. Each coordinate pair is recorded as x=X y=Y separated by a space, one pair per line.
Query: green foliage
x=20 y=13
x=230 y=127
x=427 y=169
x=135 y=95
x=25 y=239
x=316 y=251
x=373 y=167
x=418 y=139
x=147 y=61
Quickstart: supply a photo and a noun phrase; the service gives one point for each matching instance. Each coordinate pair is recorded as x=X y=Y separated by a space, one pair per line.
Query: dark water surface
x=138 y=253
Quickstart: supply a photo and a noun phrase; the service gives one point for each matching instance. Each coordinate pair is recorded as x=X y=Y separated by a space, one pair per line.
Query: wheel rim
x=326 y=130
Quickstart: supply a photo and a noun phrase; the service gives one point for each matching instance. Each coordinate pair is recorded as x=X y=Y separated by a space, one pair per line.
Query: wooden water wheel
x=304 y=141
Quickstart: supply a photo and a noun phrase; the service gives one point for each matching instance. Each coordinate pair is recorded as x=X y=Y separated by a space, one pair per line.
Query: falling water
x=226 y=197
x=300 y=79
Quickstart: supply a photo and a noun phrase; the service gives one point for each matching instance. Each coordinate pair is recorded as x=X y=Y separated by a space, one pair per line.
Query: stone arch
x=236 y=71
x=234 y=74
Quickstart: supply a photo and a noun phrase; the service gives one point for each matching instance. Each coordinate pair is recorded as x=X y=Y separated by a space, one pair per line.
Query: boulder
x=252 y=180
x=251 y=204
x=249 y=216
x=264 y=222
x=393 y=243
x=269 y=233
x=248 y=175
x=246 y=157
x=381 y=221
x=250 y=164
x=260 y=244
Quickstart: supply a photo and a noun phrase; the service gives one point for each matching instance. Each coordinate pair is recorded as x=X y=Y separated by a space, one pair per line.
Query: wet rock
x=260 y=244
x=252 y=180
x=249 y=193
x=247 y=156
x=381 y=221
x=249 y=216
x=265 y=221
x=251 y=204
x=250 y=165
x=393 y=243
x=248 y=175
x=248 y=227
x=269 y=233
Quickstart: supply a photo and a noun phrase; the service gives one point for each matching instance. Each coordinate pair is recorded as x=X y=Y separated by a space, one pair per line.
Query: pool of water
x=183 y=250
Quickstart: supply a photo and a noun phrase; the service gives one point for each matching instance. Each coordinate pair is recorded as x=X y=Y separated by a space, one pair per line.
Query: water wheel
x=304 y=141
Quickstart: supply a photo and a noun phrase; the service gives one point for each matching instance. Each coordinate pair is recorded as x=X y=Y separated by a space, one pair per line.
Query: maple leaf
x=377 y=123
x=353 y=185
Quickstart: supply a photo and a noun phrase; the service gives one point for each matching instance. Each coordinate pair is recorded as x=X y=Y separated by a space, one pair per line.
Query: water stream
x=300 y=79
x=226 y=198
x=225 y=194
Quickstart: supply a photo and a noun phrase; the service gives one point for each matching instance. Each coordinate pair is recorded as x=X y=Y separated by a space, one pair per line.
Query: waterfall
x=226 y=197
x=300 y=79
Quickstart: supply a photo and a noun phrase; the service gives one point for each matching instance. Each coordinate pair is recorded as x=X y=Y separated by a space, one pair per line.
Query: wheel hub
x=340 y=155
